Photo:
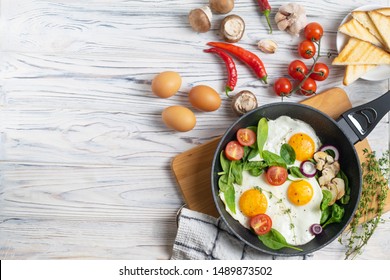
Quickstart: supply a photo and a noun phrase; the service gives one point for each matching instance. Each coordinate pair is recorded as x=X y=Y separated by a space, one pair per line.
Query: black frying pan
x=353 y=126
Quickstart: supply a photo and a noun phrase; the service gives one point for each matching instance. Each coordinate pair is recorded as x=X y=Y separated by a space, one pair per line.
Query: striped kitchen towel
x=203 y=237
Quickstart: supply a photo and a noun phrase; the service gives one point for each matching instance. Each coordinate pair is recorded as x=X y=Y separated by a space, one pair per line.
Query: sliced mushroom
x=329 y=172
x=322 y=159
x=340 y=184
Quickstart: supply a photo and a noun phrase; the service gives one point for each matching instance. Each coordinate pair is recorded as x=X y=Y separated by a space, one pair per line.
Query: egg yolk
x=300 y=192
x=253 y=202
x=303 y=146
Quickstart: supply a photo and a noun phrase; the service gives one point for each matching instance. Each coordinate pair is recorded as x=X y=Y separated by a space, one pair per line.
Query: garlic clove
x=267 y=46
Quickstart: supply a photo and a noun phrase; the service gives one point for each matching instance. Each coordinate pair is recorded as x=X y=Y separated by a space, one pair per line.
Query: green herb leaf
x=255 y=168
x=262 y=134
x=223 y=183
x=253 y=153
x=336 y=216
x=295 y=172
x=288 y=154
x=273 y=159
x=325 y=214
x=326 y=198
x=236 y=171
x=229 y=194
x=225 y=163
x=275 y=240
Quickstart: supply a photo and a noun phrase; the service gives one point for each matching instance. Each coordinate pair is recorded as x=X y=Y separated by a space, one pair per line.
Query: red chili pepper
x=246 y=56
x=230 y=66
x=265 y=8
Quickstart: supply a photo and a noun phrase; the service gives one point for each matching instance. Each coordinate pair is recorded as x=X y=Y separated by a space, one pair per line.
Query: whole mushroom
x=232 y=28
x=221 y=6
x=200 y=19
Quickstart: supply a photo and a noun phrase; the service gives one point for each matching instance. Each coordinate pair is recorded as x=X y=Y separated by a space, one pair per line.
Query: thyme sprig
x=371 y=204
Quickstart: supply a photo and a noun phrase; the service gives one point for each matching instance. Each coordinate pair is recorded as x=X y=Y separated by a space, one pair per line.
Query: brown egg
x=166 y=84
x=179 y=118
x=204 y=98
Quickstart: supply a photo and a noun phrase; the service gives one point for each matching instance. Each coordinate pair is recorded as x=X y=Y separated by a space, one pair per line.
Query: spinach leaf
x=236 y=172
x=347 y=195
x=295 y=172
x=225 y=163
x=273 y=159
x=223 y=183
x=255 y=168
x=288 y=154
x=253 y=153
x=262 y=134
x=336 y=216
x=275 y=240
x=326 y=198
x=229 y=194
x=325 y=214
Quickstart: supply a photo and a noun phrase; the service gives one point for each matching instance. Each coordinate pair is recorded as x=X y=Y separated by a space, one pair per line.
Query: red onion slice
x=333 y=149
x=308 y=168
x=315 y=229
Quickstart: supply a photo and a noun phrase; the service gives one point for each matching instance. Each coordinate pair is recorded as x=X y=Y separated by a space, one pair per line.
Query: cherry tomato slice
x=306 y=49
x=234 y=151
x=309 y=87
x=313 y=31
x=276 y=175
x=246 y=137
x=261 y=224
x=297 y=70
x=321 y=72
x=283 y=87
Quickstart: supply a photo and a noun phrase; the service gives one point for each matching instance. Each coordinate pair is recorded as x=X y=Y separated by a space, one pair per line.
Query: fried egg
x=293 y=206
x=300 y=135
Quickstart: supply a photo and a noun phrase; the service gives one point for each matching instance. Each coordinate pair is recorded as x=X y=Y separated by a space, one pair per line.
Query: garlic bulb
x=291 y=18
x=267 y=46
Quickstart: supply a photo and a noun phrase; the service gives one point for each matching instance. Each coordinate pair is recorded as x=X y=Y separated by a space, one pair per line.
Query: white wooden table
x=84 y=156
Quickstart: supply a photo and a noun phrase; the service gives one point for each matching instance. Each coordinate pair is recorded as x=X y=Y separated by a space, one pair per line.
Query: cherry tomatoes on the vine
x=320 y=72
x=282 y=87
x=308 y=87
x=313 y=31
x=297 y=70
x=306 y=49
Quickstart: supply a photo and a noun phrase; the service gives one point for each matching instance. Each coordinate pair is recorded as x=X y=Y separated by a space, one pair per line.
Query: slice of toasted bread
x=354 y=29
x=358 y=52
x=364 y=19
x=354 y=72
x=382 y=23
x=384 y=11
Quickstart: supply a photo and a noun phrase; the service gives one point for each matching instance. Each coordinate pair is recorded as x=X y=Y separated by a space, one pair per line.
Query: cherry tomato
x=313 y=31
x=234 y=151
x=297 y=70
x=321 y=72
x=276 y=175
x=309 y=87
x=246 y=137
x=306 y=49
x=261 y=224
x=283 y=87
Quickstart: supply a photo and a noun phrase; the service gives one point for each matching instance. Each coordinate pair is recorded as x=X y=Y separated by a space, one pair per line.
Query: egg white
x=292 y=221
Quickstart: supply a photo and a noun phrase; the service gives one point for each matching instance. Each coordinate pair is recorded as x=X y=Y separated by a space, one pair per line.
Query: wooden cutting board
x=192 y=168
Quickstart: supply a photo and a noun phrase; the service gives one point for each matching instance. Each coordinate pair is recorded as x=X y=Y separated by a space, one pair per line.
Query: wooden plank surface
x=85 y=161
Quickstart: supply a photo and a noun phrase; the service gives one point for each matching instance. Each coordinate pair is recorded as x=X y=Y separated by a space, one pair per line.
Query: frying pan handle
x=358 y=122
